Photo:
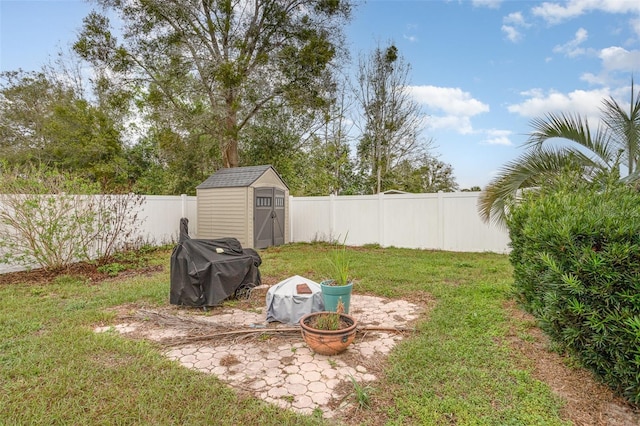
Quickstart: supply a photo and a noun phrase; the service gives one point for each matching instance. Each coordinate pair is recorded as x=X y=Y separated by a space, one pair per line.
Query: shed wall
x=224 y=212
x=269 y=178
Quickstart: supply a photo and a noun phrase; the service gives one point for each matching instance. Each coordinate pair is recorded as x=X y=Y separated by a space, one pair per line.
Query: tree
x=276 y=137
x=474 y=188
x=594 y=154
x=218 y=63
x=45 y=120
x=425 y=174
x=392 y=118
x=331 y=168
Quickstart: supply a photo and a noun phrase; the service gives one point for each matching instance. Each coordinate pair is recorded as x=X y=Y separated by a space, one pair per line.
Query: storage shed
x=248 y=203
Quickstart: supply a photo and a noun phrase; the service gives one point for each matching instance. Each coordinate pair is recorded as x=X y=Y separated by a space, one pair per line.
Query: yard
x=474 y=357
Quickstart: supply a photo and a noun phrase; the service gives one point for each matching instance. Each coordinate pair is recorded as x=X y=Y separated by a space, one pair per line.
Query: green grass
x=55 y=370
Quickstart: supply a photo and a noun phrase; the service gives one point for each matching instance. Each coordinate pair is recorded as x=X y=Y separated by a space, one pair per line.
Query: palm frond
x=533 y=168
x=572 y=128
x=625 y=126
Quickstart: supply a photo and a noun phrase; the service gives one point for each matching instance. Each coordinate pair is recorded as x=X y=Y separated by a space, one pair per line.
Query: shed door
x=278 y=219
x=268 y=217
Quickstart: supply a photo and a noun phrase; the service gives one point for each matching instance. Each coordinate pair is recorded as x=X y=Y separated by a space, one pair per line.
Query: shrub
x=576 y=259
x=50 y=218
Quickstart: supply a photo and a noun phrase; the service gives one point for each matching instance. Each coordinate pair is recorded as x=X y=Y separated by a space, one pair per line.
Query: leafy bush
x=576 y=259
x=51 y=219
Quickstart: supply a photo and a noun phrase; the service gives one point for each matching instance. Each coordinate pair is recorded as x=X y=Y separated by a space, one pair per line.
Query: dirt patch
x=89 y=272
x=587 y=401
x=86 y=271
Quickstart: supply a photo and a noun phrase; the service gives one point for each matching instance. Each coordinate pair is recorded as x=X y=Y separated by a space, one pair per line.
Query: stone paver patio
x=283 y=371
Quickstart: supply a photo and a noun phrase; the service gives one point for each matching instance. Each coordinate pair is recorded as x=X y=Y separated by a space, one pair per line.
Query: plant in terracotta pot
x=338 y=289
x=328 y=333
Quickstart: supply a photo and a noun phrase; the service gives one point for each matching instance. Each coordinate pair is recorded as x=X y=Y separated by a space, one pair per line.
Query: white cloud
x=448 y=107
x=461 y=125
x=572 y=48
x=511 y=25
x=515 y=18
x=511 y=33
x=582 y=102
x=450 y=100
x=556 y=12
x=616 y=62
x=491 y=4
x=409 y=34
x=498 y=137
x=593 y=79
x=618 y=59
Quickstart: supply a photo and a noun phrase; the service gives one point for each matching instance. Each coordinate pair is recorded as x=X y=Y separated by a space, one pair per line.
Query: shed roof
x=236 y=177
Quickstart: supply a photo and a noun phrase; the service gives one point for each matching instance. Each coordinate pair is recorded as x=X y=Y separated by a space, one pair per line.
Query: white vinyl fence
x=161 y=216
x=443 y=221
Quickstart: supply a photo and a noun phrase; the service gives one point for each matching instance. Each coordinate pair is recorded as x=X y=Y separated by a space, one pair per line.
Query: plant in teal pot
x=338 y=289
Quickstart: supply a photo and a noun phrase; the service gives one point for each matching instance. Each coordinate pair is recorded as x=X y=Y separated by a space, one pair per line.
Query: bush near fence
x=576 y=259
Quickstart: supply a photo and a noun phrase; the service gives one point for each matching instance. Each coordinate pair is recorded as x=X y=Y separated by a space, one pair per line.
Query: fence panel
x=463 y=229
x=443 y=221
x=161 y=216
x=412 y=221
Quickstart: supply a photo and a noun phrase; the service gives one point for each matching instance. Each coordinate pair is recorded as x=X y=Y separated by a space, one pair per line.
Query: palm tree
x=616 y=141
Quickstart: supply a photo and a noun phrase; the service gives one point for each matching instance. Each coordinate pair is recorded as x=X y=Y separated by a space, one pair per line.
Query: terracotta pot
x=328 y=342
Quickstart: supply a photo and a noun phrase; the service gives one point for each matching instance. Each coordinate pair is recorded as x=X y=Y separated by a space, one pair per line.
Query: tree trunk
x=229 y=143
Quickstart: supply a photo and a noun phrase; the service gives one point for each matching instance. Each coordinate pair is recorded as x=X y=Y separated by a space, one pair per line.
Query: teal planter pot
x=332 y=294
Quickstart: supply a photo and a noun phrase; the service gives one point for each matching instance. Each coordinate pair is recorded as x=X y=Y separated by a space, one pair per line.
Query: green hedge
x=576 y=258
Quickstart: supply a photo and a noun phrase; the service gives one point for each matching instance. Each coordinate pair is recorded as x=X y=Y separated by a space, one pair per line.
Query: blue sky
x=482 y=70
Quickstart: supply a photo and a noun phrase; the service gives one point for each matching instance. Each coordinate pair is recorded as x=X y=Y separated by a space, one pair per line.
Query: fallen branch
x=265 y=331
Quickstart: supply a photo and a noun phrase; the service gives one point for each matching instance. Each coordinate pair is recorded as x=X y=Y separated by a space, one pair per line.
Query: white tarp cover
x=285 y=305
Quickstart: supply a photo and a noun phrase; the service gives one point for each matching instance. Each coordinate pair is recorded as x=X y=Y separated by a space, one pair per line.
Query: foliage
x=47 y=121
x=339 y=261
x=214 y=65
x=425 y=174
x=51 y=218
x=329 y=166
x=329 y=169
x=329 y=321
x=391 y=117
x=592 y=153
x=171 y=162
x=576 y=256
x=474 y=188
x=361 y=393
x=276 y=137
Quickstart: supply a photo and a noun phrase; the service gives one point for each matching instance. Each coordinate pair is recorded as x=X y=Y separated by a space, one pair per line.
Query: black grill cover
x=206 y=272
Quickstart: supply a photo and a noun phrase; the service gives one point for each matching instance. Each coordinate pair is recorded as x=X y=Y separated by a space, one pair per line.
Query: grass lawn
x=456 y=370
